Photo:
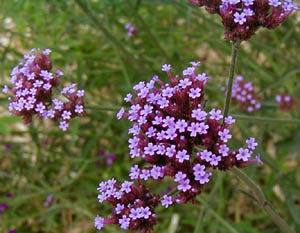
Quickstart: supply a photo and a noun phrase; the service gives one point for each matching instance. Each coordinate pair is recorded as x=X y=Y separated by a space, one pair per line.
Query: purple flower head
x=134 y=172
x=184 y=83
x=184 y=185
x=199 y=169
x=145 y=212
x=229 y=120
x=223 y=150
x=243 y=154
x=131 y=30
x=286 y=102
x=258 y=159
x=188 y=71
x=244 y=94
x=150 y=149
x=119 y=208
x=63 y=125
x=124 y=222
x=252 y=144
x=242 y=18
x=205 y=155
x=182 y=156
x=8 y=147
x=131 y=209
x=9 y=195
x=12 y=231
x=224 y=135
x=166 y=67
x=145 y=174
x=166 y=201
x=199 y=114
x=197 y=128
x=32 y=84
x=99 y=223
x=195 y=93
x=126 y=186
x=239 y=18
x=179 y=177
x=215 y=114
x=3 y=207
x=175 y=136
x=195 y=63
x=214 y=161
x=157 y=172
x=49 y=200
x=110 y=159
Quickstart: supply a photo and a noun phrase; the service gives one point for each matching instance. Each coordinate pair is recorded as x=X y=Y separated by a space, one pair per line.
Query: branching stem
x=235 y=48
x=262 y=201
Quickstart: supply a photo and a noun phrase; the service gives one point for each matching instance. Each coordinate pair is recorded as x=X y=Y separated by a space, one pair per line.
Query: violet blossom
x=286 y=102
x=243 y=92
x=242 y=18
x=33 y=84
x=176 y=136
x=176 y=125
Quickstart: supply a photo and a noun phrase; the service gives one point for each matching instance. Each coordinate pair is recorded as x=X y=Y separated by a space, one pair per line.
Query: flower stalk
x=262 y=201
x=266 y=120
x=235 y=48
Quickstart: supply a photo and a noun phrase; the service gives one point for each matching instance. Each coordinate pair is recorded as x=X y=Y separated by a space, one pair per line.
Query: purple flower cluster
x=175 y=133
x=286 y=102
x=131 y=30
x=243 y=92
x=48 y=202
x=3 y=207
x=33 y=85
x=133 y=205
x=242 y=18
x=12 y=231
x=109 y=158
x=176 y=137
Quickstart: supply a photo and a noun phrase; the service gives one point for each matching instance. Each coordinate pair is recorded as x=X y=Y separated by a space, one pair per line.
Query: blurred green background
x=90 y=45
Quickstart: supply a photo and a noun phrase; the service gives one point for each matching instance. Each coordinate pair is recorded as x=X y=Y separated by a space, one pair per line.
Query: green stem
x=103 y=108
x=108 y=35
x=229 y=227
x=266 y=120
x=171 y=193
x=262 y=201
x=209 y=200
x=235 y=48
x=152 y=37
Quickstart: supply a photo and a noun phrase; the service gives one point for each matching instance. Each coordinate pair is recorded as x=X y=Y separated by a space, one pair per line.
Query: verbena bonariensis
x=242 y=18
x=286 y=102
x=131 y=30
x=33 y=85
x=133 y=205
x=177 y=137
x=243 y=92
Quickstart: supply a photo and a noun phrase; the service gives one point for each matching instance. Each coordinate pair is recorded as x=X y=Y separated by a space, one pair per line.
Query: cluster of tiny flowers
x=33 y=84
x=109 y=158
x=48 y=202
x=286 y=102
x=242 y=18
x=175 y=134
x=243 y=92
x=12 y=231
x=4 y=206
x=177 y=137
x=133 y=206
x=131 y=30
